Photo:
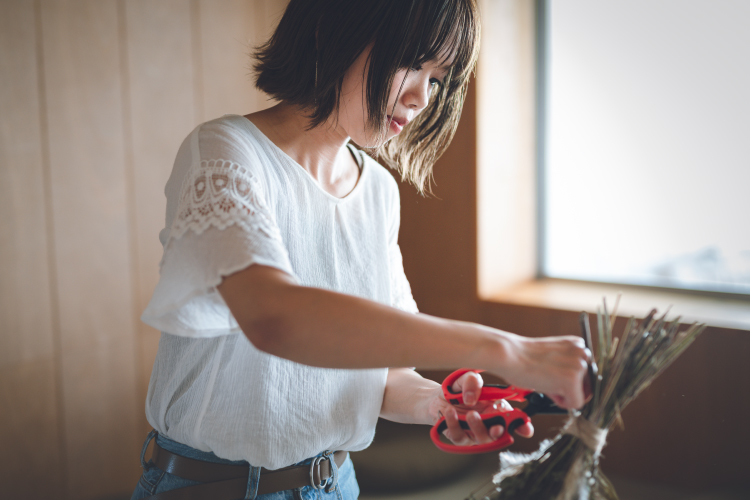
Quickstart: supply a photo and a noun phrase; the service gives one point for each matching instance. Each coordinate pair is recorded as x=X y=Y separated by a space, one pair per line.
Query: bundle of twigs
x=567 y=467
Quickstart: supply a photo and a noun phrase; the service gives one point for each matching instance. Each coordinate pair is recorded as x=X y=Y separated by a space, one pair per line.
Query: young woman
x=288 y=324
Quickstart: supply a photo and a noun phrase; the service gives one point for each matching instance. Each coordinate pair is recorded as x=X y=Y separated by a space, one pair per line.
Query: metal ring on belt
x=229 y=482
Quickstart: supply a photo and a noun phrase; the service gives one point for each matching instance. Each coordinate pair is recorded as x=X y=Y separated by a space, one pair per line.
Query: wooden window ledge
x=714 y=310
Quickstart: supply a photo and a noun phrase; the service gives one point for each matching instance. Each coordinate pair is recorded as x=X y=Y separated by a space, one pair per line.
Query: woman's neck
x=321 y=151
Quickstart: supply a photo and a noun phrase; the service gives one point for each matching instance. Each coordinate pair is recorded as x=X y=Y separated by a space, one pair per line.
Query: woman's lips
x=397 y=124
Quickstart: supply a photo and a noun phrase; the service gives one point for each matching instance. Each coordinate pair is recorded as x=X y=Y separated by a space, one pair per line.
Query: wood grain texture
x=25 y=311
x=83 y=92
x=227 y=33
x=443 y=255
x=161 y=92
x=31 y=464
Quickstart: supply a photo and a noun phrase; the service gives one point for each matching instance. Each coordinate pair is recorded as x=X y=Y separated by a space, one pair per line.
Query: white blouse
x=235 y=199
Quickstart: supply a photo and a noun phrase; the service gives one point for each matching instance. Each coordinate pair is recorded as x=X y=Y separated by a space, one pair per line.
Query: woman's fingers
x=454 y=432
x=526 y=430
x=470 y=385
x=480 y=432
x=555 y=366
x=477 y=433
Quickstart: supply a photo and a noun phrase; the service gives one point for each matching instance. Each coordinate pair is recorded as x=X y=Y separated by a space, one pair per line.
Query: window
x=643 y=129
x=646 y=164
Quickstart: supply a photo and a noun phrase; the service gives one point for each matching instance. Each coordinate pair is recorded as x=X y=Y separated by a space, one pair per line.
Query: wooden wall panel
x=31 y=463
x=91 y=230
x=161 y=91
x=443 y=256
x=96 y=98
x=227 y=31
x=25 y=314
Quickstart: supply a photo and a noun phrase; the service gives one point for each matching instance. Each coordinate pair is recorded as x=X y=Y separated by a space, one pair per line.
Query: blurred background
x=96 y=97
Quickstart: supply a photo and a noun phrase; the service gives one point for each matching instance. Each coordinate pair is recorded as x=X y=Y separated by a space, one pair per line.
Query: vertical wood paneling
x=227 y=33
x=162 y=113
x=31 y=463
x=83 y=92
x=25 y=315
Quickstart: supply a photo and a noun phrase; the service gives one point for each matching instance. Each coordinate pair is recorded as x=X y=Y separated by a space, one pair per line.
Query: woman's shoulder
x=233 y=142
x=227 y=137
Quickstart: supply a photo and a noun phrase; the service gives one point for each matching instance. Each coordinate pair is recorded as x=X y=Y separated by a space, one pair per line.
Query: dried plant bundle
x=567 y=467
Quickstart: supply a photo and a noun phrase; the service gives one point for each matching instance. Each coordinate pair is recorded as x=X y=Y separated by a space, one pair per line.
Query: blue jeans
x=155 y=481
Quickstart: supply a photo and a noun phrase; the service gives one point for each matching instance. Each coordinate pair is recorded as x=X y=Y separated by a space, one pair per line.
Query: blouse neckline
x=280 y=152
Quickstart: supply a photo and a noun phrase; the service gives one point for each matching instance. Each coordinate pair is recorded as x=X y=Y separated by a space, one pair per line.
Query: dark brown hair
x=316 y=41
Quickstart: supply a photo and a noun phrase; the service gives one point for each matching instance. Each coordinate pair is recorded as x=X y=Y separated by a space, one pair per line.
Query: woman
x=288 y=323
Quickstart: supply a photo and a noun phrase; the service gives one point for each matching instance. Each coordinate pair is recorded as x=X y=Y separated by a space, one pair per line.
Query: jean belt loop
x=253 y=478
x=151 y=435
x=331 y=486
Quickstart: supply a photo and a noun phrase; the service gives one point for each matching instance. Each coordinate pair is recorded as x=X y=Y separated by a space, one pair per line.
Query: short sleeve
x=401 y=290
x=401 y=297
x=221 y=225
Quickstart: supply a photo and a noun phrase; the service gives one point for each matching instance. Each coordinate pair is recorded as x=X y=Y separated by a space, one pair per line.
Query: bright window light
x=647 y=154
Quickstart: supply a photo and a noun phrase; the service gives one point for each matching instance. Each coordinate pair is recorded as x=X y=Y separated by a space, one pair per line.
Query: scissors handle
x=490 y=392
x=510 y=420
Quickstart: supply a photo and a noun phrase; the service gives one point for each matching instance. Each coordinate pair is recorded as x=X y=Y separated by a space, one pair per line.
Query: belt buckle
x=324 y=482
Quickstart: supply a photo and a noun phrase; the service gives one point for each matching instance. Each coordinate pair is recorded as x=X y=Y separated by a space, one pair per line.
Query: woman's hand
x=470 y=385
x=555 y=366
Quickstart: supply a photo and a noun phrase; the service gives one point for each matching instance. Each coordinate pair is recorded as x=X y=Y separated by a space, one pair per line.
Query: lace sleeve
x=220 y=193
x=222 y=225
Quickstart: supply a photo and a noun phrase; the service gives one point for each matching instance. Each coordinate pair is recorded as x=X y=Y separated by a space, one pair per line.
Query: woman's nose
x=417 y=95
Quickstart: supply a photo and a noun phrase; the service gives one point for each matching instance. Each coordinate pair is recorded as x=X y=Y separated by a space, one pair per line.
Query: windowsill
x=636 y=301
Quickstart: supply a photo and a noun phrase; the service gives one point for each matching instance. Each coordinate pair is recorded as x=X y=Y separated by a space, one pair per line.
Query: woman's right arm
x=321 y=328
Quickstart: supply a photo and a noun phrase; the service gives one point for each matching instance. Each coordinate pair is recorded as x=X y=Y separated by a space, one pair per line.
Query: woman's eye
x=435 y=81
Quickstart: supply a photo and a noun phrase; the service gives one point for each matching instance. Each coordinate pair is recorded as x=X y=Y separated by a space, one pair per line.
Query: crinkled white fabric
x=234 y=199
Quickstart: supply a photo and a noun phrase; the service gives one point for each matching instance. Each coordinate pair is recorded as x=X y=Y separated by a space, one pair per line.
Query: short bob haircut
x=316 y=41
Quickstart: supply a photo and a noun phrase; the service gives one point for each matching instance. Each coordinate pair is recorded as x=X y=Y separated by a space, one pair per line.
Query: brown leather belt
x=229 y=482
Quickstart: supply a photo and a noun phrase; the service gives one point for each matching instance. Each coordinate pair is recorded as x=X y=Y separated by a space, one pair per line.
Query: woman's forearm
x=322 y=328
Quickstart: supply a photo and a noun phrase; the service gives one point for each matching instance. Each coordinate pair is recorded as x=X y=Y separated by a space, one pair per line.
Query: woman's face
x=418 y=83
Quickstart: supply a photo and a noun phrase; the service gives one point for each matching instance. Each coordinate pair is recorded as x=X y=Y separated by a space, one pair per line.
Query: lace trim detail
x=221 y=193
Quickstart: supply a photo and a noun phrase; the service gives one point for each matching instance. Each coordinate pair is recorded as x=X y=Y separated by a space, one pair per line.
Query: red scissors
x=538 y=403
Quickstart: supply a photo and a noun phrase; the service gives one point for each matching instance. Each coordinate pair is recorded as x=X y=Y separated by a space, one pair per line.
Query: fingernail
x=469 y=397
